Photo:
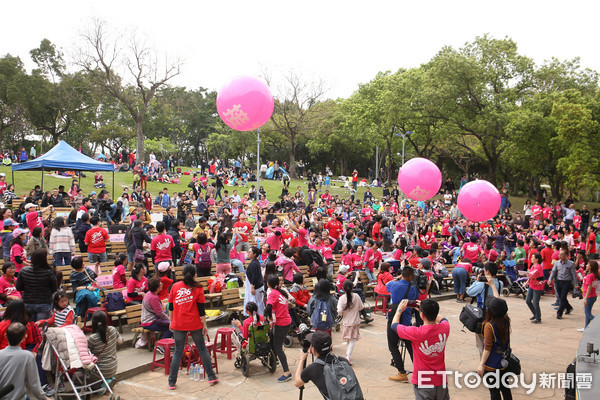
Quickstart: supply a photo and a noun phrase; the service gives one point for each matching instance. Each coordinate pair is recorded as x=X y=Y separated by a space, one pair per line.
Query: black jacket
x=176 y=250
x=37 y=285
x=140 y=236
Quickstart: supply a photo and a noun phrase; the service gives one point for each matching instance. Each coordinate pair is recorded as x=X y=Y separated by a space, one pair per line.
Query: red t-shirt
x=185 y=315
x=468 y=267
x=117 y=273
x=546 y=254
x=244 y=229
x=355 y=177
x=536 y=271
x=303 y=237
x=164 y=292
x=372 y=256
x=357 y=261
x=334 y=227
x=429 y=343
x=137 y=287
x=280 y=308
x=377 y=231
x=162 y=245
x=247 y=323
x=33 y=220
x=536 y=211
x=96 y=240
x=588 y=284
x=591 y=244
x=546 y=212
x=8 y=288
x=3 y=186
x=471 y=251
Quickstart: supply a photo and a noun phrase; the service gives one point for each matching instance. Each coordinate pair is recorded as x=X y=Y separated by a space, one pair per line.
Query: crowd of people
x=403 y=247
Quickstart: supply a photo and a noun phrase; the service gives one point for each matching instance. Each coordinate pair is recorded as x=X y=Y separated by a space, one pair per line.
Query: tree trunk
x=342 y=166
x=389 y=163
x=530 y=187
x=140 y=156
x=292 y=164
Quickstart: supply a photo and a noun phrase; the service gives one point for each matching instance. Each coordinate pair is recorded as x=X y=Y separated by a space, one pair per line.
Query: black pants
x=393 y=343
x=279 y=334
x=202 y=271
x=563 y=294
x=497 y=392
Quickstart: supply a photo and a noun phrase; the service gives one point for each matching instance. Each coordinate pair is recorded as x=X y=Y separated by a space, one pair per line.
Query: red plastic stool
x=224 y=345
x=192 y=356
x=167 y=345
x=381 y=304
x=91 y=311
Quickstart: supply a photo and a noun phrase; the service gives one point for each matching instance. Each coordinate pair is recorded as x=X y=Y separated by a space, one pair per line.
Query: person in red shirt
x=376 y=232
x=301 y=230
x=536 y=212
x=163 y=270
x=137 y=285
x=299 y=292
x=383 y=278
x=186 y=302
x=354 y=179
x=471 y=250
x=536 y=287
x=245 y=231
x=3 y=184
x=334 y=227
x=326 y=197
x=96 y=239
x=33 y=217
x=278 y=313
x=590 y=247
x=161 y=245
x=371 y=260
x=547 y=257
x=118 y=274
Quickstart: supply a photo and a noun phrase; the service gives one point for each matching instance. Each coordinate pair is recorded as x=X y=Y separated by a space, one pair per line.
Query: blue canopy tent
x=63 y=157
x=271 y=170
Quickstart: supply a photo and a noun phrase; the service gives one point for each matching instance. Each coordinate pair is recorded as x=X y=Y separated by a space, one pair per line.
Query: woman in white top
x=527 y=208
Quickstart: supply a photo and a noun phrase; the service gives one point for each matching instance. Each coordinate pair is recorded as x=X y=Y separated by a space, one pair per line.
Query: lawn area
x=26 y=180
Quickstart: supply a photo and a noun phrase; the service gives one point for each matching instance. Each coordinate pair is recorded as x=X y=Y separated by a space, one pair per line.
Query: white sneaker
x=580 y=329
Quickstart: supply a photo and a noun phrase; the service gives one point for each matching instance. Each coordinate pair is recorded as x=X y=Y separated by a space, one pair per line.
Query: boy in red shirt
x=245 y=231
x=371 y=261
x=161 y=245
x=96 y=239
x=429 y=344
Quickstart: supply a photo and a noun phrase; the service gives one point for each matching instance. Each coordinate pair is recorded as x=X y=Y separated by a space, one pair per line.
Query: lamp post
x=404 y=135
x=256 y=193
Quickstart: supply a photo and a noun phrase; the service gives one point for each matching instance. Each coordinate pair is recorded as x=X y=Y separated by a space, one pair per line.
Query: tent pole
x=12 y=172
x=113 y=190
x=42 y=179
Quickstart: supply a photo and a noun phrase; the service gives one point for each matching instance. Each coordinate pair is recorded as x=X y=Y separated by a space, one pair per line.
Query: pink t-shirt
x=429 y=343
x=357 y=261
x=588 y=284
x=162 y=245
x=302 y=237
x=280 y=308
x=117 y=272
x=471 y=251
x=346 y=259
x=16 y=251
x=536 y=271
x=137 y=287
x=371 y=256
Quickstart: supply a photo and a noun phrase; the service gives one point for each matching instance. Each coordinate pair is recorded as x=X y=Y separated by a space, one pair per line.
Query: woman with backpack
x=202 y=258
x=496 y=335
x=277 y=311
x=322 y=307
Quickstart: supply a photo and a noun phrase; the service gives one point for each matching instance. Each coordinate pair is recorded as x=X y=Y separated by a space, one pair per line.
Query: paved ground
x=548 y=347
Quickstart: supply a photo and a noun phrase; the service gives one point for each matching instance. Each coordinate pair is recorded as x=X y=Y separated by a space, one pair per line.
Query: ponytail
x=189 y=275
x=100 y=325
x=348 y=286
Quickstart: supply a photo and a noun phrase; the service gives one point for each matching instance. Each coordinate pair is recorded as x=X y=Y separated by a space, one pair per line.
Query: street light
x=404 y=135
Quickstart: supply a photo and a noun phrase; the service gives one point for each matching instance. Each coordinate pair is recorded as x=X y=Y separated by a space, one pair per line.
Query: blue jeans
x=370 y=274
x=460 y=277
x=179 y=337
x=161 y=326
x=39 y=311
x=97 y=257
x=62 y=258
x=533 y=302
x=588 y=310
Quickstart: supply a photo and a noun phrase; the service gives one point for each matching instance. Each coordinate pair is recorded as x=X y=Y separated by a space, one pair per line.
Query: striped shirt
x=106 y=352
x=60 y=316
x=62 y=241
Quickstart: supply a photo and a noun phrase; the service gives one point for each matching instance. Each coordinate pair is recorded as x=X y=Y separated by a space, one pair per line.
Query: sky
x=342 y=43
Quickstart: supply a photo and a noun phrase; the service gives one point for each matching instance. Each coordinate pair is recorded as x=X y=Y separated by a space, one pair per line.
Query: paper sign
x=187 y=235
x=117 y=237
x=62 y=214
x=105 y=280
x=156 y=217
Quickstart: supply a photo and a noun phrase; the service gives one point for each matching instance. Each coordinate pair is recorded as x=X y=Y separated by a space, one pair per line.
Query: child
x=252 y=310
x=288 y=265
x=322 y=307
x=349 y=307
x=118 y=273
x=299 y=291
x=190 y=223
x=163 y=271
x=63 y=312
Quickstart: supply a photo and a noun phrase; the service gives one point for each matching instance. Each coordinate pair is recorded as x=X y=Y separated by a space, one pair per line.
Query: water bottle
x=197 y=373
x=191 y=371
x=201 y=373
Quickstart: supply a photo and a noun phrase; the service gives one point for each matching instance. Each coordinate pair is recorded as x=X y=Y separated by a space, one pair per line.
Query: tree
x=11 y=111
x=293 y=113
x=146 y=75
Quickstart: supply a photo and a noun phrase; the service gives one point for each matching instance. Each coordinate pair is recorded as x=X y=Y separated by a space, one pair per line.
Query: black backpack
x=114 y=301
x=420 y=280
x=340 y=379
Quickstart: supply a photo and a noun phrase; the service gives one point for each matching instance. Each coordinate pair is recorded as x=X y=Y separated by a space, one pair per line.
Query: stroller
x=258 y=346
x=83 y=381
x=513 y=283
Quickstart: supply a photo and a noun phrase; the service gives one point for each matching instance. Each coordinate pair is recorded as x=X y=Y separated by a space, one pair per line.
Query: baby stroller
x=258 y=346
x=513 y=283
x=79 y=370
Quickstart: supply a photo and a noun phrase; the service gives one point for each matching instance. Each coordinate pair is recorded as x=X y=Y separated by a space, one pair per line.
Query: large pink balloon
x=245 y=103
x=419 y=179
x=479 y=200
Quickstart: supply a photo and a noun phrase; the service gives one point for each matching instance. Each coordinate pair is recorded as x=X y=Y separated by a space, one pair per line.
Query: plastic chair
x=224 y=345
x=192 y=356
x=381 y=304
x=167 y=345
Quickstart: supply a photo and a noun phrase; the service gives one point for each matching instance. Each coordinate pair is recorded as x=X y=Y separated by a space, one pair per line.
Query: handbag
x=510 y=362
x=139 y=255
x=472 y=316
x=577 y=293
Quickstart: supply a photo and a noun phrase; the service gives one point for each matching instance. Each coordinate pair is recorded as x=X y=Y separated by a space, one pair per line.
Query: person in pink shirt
x=289 y=266
x=118 y=275
x=7 y=284
x=536 y=212
x=590 y=284
x=357 y=258
x=429 y=345
x=546 y=212
x=34 y=218
x=346 y=258
x=301 y=230
x=278 y=313
x=371 y=260
x=536 y=287
x=471 y=250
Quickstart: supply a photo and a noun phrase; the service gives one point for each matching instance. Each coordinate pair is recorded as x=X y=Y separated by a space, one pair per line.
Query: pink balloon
x=479 y=200
x=245 y=103
x=419 y=179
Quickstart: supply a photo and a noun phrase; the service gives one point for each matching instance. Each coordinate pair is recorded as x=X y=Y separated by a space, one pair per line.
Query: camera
x=412 y=304
x=482 y=278
x=477 y=270
x=304 y=331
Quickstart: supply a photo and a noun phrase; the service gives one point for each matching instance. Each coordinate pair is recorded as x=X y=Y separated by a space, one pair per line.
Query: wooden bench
x=448 y=280
x=232 y=300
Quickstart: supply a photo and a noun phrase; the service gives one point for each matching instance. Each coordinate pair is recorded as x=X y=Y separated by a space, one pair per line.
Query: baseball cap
x=92 y=192
x=163 y=266
x=320 y=341
x=29 y=205
x=426 y=262
x=9 y=222
x=18 y=232
x=343 y=269
x=549 y=242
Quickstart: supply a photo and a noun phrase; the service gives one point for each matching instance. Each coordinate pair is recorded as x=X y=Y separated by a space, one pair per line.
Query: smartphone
x=412 y=304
